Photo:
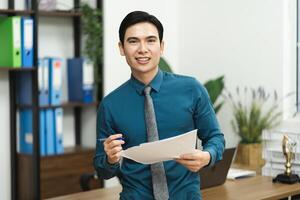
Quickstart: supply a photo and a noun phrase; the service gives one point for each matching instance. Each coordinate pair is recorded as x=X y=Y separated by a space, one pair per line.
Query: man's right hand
x=113 y=148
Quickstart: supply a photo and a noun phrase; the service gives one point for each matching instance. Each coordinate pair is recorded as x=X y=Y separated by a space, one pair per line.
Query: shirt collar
x=154 y=84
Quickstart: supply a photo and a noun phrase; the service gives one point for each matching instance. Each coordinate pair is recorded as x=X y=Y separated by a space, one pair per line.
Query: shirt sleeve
x=206 y=122
x=104 y=130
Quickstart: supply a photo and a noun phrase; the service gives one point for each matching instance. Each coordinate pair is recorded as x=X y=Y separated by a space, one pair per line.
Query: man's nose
x=143 y=47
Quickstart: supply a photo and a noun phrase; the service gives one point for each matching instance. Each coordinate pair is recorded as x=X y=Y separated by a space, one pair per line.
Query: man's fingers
x=115 y=150
x=189 y=156
x=113 y=137
x=188 y=162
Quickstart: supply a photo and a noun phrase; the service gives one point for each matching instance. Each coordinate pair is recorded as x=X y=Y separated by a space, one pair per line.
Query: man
x=153 y=103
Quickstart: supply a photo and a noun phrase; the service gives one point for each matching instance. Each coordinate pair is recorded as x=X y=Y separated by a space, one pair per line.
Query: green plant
x=214 y=87
x=163 y=65
x=93 y=37
x=252 y=114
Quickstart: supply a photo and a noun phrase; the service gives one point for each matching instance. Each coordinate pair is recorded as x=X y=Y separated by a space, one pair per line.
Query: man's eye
x=132 y=41
x=151 y=40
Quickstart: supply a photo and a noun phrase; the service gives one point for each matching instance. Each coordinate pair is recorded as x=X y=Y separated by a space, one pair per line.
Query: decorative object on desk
x=252 y=114
x=93 y=37
x=214 y=87
x=288 y=149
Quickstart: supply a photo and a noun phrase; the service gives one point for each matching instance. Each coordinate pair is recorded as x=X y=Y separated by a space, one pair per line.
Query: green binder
x=10 y=40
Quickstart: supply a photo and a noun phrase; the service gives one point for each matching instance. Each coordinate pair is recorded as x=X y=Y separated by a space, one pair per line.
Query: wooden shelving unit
x=33 y=176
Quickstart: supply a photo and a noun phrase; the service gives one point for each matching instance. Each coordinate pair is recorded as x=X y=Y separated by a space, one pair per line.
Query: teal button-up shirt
x=181 y=104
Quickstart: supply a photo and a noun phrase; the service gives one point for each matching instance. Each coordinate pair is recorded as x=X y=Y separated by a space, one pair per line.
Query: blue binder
x=58 y=114
x=43 y=81
x=55 y=80
x=50 y=134
x=24 y=88
x=27 y=42
x=43 y=143
x=80 y=80
x=26 y=137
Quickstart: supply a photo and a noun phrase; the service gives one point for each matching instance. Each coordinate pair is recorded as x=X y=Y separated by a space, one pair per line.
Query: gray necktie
x=159 y=181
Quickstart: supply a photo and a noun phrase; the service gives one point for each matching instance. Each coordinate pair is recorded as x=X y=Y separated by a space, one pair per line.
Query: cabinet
x=33 y=176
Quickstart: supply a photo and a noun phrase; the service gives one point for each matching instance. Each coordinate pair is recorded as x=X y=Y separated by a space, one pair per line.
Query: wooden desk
x=258 y=188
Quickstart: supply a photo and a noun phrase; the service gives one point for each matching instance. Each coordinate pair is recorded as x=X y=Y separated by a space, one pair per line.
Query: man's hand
x=194 y=161
x=113 y=147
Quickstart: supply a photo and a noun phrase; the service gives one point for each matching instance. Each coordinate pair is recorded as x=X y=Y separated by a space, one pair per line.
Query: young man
x=154 y=104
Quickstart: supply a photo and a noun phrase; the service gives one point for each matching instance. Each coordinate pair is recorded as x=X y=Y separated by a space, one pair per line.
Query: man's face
x=142 y=48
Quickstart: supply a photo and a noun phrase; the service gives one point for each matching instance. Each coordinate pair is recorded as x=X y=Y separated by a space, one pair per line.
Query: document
x=162 y=150
x=234 y=173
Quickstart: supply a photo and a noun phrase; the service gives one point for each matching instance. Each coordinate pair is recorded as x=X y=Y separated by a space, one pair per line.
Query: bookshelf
x=33 y=176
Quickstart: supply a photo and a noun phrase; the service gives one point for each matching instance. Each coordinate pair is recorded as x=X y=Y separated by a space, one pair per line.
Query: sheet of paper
x=234 y=173
x=162 y=150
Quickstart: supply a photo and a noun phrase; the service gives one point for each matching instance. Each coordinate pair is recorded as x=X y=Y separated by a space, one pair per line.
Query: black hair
x=137 y=17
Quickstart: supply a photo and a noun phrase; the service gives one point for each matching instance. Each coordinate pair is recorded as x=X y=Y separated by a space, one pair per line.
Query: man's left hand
x=194 y=161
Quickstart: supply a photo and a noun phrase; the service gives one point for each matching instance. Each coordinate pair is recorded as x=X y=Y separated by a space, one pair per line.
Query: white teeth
x=143 y=59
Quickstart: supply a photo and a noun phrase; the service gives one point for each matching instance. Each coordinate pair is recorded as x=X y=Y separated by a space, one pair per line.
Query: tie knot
x=147 y=90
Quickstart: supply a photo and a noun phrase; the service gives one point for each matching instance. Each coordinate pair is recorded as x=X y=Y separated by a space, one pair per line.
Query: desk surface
x=258 y=188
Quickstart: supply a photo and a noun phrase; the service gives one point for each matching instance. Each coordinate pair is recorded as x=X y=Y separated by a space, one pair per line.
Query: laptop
x=216 y=175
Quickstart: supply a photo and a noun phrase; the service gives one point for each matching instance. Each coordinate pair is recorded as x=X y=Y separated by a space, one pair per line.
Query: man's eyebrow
x=152 y=37
x=132 y=38
x=136 y=38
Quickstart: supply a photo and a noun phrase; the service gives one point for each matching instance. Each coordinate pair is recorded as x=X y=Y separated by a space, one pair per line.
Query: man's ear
x=162 y=47
x=121 y=49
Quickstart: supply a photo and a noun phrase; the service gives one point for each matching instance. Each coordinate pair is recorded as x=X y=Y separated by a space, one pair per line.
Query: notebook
x=216 y=175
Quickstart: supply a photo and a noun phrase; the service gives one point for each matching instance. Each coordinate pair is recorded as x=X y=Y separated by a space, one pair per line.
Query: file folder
x=55 y=80
x=50 y=134
x=58 y=114
x=43 y=147
x=43 y=78
x=80 y=80
x=27 y=42
x=10 y=40
x=24 y=88
x=26 y=136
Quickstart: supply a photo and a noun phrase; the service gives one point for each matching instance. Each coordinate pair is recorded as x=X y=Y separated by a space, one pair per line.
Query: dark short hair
x=137 y=17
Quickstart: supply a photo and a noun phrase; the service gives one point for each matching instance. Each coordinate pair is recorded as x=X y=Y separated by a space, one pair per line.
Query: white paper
x=162 y=150
x=234 y=173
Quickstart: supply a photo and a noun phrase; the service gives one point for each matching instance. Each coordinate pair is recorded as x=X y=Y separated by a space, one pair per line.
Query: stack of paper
x=239 y=173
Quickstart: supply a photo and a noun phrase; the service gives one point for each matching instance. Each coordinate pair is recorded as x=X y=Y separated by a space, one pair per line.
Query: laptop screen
x=216 y=175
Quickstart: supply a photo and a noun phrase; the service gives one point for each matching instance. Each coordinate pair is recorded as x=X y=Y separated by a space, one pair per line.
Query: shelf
x=16 y=12
x=59 y=13
x=60 y=174
x=63 y=105
x=16 y=69
x=67 y=152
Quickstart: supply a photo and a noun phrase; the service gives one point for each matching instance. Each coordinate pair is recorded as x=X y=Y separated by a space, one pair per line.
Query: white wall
x=5 y=137
x=242 y=40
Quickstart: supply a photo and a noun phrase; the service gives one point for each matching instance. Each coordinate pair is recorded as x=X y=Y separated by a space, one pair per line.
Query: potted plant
x=92 y=31
x=253 y=112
